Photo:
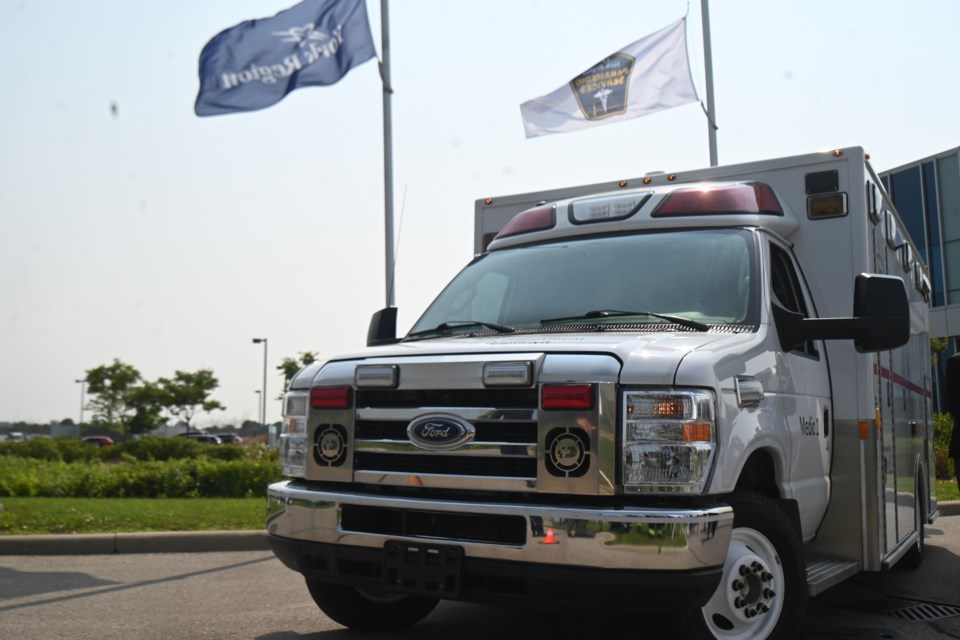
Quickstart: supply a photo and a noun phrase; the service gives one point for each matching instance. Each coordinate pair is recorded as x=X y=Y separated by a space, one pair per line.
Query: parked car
x=99 y=441
x=204 y=438
x=16 y=436
x=229 y=438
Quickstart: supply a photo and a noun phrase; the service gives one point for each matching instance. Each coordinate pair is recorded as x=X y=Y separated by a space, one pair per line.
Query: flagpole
x=387 y=152
x=708 y=64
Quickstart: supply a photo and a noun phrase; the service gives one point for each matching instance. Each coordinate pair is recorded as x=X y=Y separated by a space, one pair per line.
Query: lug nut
x=739 y=602
x=750 y=613
x=744 y=570
x=737 y=585
x=769 y=593
x=767 y=576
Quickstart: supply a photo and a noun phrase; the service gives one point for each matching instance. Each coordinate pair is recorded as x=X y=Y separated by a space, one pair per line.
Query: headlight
x=669 y=438
x=293 y=436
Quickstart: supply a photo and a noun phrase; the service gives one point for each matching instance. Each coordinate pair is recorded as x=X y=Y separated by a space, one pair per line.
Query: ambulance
x=705 y=392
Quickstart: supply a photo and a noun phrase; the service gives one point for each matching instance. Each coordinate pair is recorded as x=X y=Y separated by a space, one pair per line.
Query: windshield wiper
x=460 y=324
x=611 y=313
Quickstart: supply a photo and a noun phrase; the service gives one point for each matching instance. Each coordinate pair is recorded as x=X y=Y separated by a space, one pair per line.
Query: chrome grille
x=504 y=446
x=418 y=398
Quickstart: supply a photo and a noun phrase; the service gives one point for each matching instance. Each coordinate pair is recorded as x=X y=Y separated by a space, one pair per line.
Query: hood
x=649 y=358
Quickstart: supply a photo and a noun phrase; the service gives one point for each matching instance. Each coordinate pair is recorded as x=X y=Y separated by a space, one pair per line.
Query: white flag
x=650 y=75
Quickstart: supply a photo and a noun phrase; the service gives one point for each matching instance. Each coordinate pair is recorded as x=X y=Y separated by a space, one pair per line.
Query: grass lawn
x=947 y=490
x=102 y=515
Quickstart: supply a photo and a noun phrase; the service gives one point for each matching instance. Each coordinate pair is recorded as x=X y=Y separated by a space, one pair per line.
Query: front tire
x=763 y=591
x=362 y=610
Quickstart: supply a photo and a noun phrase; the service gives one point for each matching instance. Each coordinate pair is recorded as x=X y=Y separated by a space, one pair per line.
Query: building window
x=908 y=199
x=934 y=256
x=948 y=170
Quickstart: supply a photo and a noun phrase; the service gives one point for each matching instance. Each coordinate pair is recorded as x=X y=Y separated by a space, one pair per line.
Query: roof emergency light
x=830 y=205
x=606 y=208
x=747 y=197
x=536 y=219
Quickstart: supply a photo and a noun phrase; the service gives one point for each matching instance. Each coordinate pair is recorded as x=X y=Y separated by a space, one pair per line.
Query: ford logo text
x=437 y=432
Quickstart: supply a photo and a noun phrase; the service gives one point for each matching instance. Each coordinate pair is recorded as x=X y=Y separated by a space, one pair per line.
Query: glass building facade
x=926 y=194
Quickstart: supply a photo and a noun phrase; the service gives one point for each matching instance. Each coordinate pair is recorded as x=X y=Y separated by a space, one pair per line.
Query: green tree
x=186 y=393
x=147 y=402
x=937 y=346
x=289 y=367
x=112 y=386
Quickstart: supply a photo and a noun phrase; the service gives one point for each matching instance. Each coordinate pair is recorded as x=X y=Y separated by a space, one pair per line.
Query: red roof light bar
x=536 y=219
x=748 y=197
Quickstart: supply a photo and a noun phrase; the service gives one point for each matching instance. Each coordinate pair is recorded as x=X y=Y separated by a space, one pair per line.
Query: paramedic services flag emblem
x=256 y=63
x=602 y=90
x=646 y=76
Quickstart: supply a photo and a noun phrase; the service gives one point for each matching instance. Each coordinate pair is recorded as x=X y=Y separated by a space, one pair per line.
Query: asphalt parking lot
x=190 y=586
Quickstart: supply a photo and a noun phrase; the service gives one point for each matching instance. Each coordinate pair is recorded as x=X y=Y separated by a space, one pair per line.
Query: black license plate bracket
x=422 y=569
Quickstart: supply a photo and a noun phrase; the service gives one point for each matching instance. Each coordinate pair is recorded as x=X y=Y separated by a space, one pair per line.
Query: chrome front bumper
x=652 y=539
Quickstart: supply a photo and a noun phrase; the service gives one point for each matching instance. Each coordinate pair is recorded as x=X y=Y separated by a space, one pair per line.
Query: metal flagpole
x=708 y=64
x=387 y=152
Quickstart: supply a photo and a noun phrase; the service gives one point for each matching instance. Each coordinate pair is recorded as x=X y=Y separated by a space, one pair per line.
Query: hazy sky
x=169 y=241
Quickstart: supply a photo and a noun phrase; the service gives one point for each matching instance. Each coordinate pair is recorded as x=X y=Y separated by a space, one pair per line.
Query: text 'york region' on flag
x=256 y=63
x=649 y=75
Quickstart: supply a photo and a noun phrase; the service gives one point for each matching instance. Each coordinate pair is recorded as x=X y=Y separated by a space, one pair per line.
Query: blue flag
x=256 y=63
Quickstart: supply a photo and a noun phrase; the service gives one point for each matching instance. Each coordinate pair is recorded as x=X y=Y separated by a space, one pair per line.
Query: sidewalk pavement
x=175 y=541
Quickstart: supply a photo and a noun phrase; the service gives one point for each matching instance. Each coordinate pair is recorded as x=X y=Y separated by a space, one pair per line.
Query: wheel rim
x=749 y=600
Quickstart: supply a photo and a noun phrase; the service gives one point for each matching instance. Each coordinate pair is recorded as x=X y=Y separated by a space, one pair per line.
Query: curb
x=145 y=542
x=949 y=508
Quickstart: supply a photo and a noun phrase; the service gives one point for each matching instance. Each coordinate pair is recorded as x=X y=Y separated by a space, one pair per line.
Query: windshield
x=707 y=276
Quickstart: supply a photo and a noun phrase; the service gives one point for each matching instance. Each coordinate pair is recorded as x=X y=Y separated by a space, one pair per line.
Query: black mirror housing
x=882 y=313
x=383 y=327
x=881 y=318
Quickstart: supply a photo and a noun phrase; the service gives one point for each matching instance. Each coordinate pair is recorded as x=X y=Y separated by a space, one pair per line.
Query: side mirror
x=881 y=318
x=882 y=313
x=383 y=327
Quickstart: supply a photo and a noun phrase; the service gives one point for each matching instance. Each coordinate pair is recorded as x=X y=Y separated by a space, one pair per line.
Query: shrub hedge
x=155 y=467
x=200 y=477
x=147 y=468
x=71 y=449
x=942 y=430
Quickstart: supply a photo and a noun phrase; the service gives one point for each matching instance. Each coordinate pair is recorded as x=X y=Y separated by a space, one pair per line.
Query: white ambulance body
x=704 y=391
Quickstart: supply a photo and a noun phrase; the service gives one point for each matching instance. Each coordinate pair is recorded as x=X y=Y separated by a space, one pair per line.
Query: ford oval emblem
x=438 y=432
